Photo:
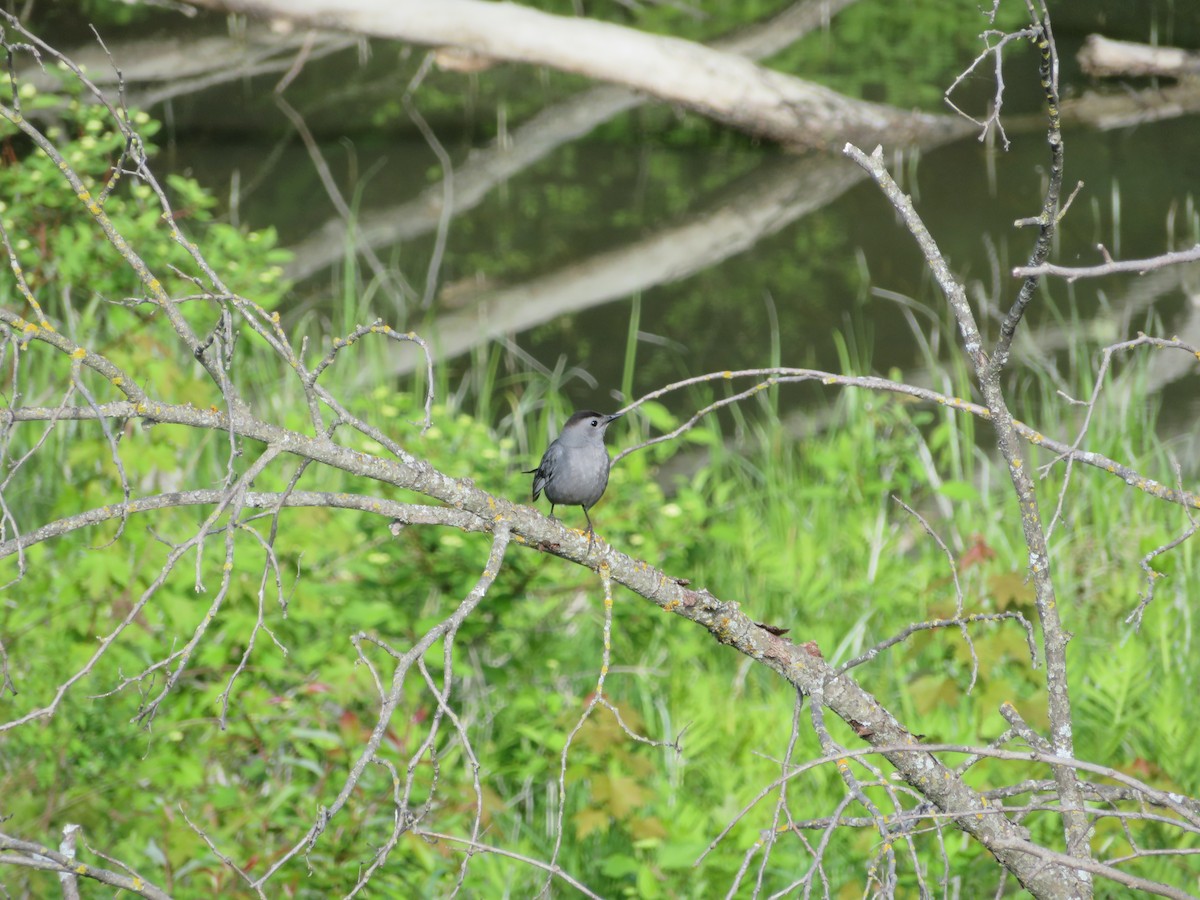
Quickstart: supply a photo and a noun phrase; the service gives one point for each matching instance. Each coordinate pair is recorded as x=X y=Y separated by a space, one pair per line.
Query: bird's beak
x=613 y=417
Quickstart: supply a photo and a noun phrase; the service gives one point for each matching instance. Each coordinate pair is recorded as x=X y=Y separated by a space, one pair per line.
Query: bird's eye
x=595 y=422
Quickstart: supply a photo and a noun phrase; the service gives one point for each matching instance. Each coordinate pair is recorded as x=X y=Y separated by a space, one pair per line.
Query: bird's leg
x=591 y=531
x=552 y=512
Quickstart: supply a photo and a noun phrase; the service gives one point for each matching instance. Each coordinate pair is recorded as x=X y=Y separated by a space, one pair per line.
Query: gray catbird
x=574 y=468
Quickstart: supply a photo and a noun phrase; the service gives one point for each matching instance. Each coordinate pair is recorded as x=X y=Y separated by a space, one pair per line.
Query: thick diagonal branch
x=801 y=665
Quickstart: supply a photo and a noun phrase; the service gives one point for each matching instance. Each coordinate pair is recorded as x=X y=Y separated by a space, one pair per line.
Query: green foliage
x=95 y=12
x=59 y=247
x=901 y=54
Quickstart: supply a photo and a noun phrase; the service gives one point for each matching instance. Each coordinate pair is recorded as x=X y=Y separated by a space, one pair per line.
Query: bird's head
x=586 y=427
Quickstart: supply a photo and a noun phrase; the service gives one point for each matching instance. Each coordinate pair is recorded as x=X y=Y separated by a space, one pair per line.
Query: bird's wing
x=545 y=470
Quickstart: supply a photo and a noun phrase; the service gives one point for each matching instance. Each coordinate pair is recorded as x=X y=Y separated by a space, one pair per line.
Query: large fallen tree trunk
x=725 y=87
x=534 y=140
x=155 y=70
x=1102 y=57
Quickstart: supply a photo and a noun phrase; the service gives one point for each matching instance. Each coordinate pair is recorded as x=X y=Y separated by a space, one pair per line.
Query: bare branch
x=1152 y=576
x=960 y=622
x=996 y=51
x=987 y=373
x=1050 y=215
x=1071 y=455
x=1136 y=266
x=27 y=854
x=391 y=700
x=402 y=513
x=554 y=871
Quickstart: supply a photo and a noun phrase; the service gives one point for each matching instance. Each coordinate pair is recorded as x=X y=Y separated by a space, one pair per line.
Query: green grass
x=803 y=535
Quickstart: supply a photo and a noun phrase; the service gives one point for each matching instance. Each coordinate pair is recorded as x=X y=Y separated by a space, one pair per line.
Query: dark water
x=731 y=252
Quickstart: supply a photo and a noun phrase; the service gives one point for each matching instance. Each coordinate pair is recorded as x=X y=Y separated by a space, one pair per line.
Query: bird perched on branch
x=574 y=468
